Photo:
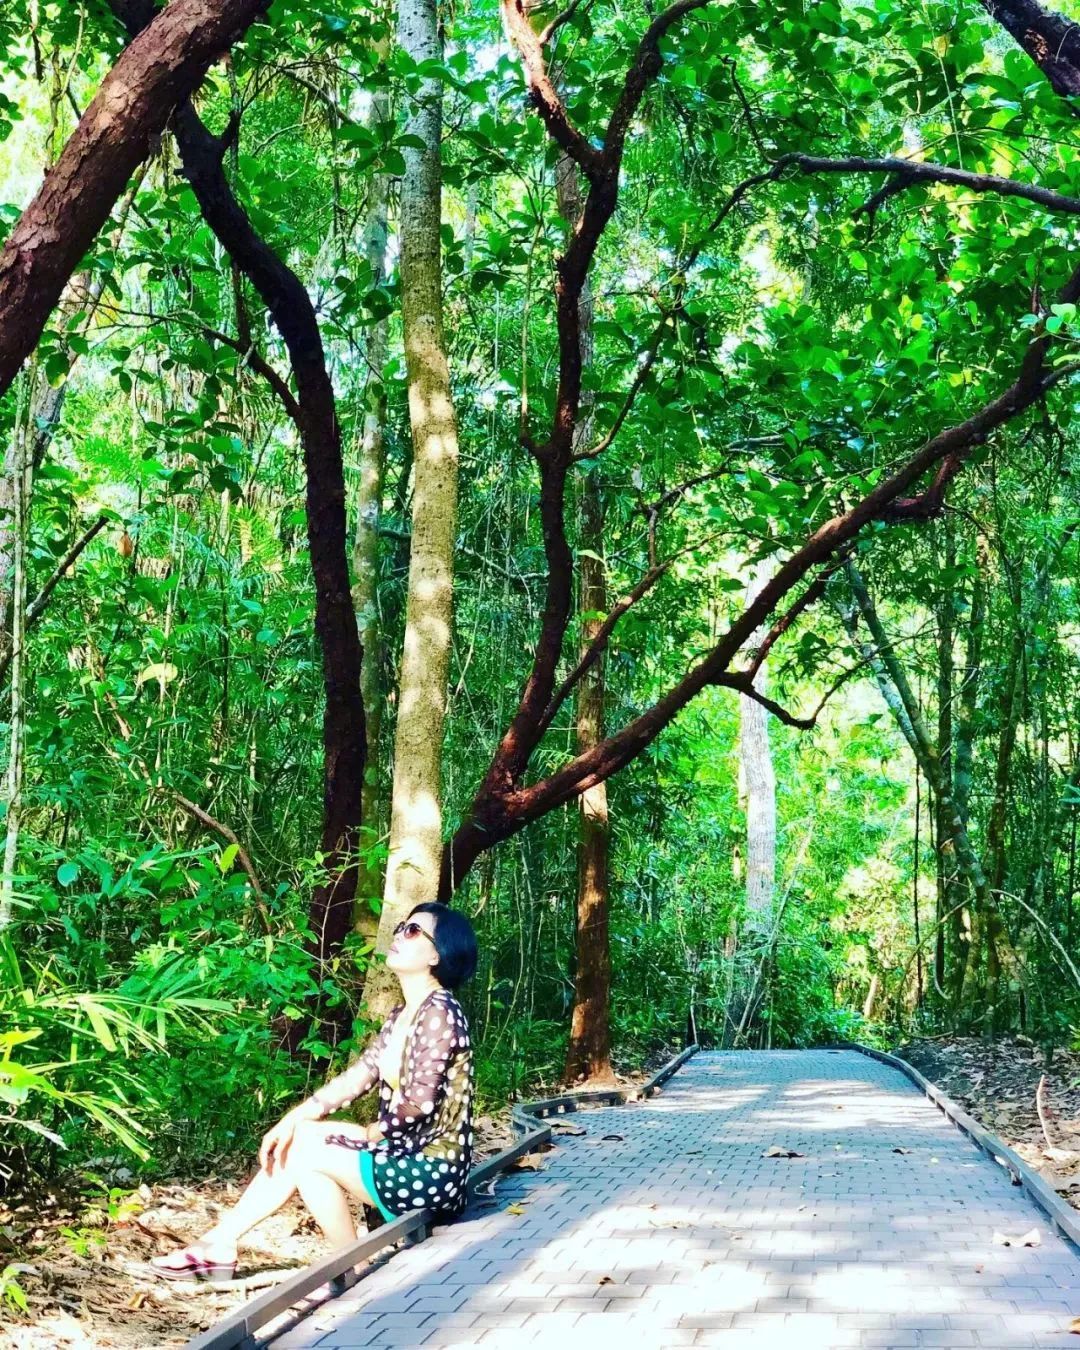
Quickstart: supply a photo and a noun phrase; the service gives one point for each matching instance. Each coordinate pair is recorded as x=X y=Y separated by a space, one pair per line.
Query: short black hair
x=455 y=942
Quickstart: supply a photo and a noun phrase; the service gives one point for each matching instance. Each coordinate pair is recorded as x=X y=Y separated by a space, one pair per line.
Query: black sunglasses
x=409 y=928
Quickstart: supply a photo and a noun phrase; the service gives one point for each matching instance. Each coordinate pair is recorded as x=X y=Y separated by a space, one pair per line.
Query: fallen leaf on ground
x=1061 y=1155
x=529 y=1162
x=485 y=1188
x=1074 y=1327
x=777 y=1152
x=565 y=1127
x=611 y=1139
x=1028 y=1239
x=605 y=1279
x=901 y=1150
x=515 y=1209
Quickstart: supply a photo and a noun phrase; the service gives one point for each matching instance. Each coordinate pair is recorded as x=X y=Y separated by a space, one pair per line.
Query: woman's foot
x=201 y=1260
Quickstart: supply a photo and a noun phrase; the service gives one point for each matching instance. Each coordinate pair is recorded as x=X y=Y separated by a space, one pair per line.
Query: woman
x=418 y=1152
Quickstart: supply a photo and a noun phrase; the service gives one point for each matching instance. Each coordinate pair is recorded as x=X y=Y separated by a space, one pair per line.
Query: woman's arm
x=357 y=1079
x=437 y=1038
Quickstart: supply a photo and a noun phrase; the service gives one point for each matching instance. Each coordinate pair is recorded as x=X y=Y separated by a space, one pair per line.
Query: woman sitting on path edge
x=416 y=1155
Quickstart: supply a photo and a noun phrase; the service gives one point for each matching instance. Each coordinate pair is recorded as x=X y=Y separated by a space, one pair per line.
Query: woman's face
x=412 y=952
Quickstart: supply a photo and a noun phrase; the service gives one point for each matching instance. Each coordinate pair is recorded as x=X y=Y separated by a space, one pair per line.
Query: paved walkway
x=665 y=1226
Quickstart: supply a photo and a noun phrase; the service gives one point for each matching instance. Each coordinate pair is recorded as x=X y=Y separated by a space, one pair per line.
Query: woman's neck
x=416 y=988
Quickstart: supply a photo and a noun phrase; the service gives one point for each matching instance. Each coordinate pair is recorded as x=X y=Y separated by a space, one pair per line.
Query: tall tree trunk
x=412 y=873
x=760 y=792
x=366 y=547
x=16 y=723
x=115 y=134
x=964 y=758
x=990 y=931
x=588 y=1053
x=949 y=886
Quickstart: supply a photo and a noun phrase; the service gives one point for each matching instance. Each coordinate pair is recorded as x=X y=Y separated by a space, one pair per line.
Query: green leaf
x=56 y=368
x=67 y=873
x=160 y=670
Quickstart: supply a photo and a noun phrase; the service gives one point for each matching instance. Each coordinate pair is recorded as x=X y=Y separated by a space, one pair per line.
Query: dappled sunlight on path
x=666 y=1223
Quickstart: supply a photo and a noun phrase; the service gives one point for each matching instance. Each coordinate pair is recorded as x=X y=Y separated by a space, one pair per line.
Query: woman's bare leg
x=326 y=1175
x=321 y=1172
x=264 y=1195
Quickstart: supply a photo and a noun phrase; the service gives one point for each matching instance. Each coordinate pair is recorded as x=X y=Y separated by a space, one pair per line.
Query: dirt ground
x=82 y=1266
x=997 y=1082
x=84 y=1269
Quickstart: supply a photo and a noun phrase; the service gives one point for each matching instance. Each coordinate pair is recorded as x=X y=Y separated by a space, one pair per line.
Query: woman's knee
x=308 y=1141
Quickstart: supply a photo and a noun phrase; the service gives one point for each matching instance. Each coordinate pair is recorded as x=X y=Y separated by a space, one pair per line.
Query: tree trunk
x=366 y=549
x=1052 y=41
x=588 y=1053
x=949 y=886
x=412 y=873
x=964 y=758
x=116 y=133
x=760 y=793
x=16 y=725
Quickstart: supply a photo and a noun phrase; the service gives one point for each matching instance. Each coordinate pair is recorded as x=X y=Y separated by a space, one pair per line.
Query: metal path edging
x=1060 y=1213
x=237 y=1330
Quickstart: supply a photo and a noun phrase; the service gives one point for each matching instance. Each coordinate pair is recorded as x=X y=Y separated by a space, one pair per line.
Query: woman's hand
x=274 y=1150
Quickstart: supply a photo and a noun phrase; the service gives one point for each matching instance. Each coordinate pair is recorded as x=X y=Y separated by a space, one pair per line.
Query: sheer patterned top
x=429 y=1110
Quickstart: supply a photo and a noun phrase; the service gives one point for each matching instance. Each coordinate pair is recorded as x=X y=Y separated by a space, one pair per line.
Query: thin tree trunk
x=16 y=724
x=965 y=754
x=949 y=886
x=415 y=847
x=990 y=930
x=366 y=549
x=760 y=791
x=115 y=134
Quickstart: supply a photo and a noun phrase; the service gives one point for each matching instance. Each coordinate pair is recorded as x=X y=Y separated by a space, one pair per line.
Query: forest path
x=665 y=1225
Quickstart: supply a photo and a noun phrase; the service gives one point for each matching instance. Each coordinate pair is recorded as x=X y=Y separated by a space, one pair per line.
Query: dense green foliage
x=802 y=348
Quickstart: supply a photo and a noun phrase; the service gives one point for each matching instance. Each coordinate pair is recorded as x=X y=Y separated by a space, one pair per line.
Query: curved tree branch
x=161 y=68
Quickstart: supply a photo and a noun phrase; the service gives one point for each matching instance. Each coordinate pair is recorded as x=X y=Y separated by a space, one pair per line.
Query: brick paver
x=665 y=1226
